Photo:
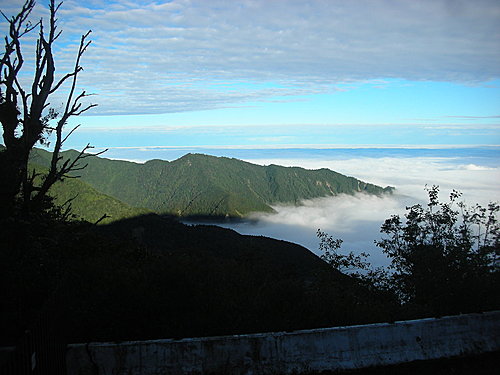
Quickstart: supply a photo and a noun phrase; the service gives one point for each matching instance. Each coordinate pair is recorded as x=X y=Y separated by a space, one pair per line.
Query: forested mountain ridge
x=197 y=184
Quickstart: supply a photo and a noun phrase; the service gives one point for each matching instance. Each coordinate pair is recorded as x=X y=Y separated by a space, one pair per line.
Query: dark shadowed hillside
x=206 y=185
x=152 y=277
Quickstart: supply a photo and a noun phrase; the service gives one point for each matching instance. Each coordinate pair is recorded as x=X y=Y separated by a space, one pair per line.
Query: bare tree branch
x=105 y=216
x=69 y=134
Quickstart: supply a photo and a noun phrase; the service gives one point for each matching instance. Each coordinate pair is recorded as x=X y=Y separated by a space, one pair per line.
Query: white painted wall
x=336 y=348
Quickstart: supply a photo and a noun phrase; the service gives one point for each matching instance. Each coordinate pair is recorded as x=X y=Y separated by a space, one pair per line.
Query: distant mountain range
x=197 y=185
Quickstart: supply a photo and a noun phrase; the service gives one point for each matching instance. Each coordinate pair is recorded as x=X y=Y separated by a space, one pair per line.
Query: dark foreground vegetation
x=444 y=258
x=151 y=277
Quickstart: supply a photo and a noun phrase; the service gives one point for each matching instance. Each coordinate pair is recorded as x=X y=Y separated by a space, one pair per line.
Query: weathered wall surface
x=295 y=352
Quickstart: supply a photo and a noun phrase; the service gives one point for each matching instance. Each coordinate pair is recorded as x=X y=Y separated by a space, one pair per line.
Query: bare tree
x=25 y=114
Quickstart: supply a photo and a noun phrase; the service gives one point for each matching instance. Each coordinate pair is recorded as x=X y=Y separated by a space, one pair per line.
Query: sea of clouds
x=357 y=219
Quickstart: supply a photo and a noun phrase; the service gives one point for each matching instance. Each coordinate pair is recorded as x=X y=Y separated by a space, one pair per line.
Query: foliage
x=444 y=259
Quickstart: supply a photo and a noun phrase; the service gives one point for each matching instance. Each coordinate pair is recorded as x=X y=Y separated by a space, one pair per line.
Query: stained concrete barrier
x=306 y=351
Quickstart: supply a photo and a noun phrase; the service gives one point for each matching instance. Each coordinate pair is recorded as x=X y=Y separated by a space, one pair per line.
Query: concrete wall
x=295 y=352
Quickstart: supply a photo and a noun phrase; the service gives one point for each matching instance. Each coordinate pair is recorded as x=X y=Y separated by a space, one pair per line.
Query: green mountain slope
x=89 y=204
x=86 y=202
x=206 y=185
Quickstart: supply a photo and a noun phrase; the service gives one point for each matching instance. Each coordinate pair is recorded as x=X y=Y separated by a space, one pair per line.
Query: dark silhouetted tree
x=444 y=257
x=25 y=114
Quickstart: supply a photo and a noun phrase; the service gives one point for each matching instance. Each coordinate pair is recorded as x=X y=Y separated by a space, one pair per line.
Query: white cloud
x=339 y=213
x=355 y=219
x=474 y=167
x=151 y=57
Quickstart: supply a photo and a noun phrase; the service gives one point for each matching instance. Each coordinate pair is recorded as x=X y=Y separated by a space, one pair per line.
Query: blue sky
x=255 y=73
x=383 y=114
